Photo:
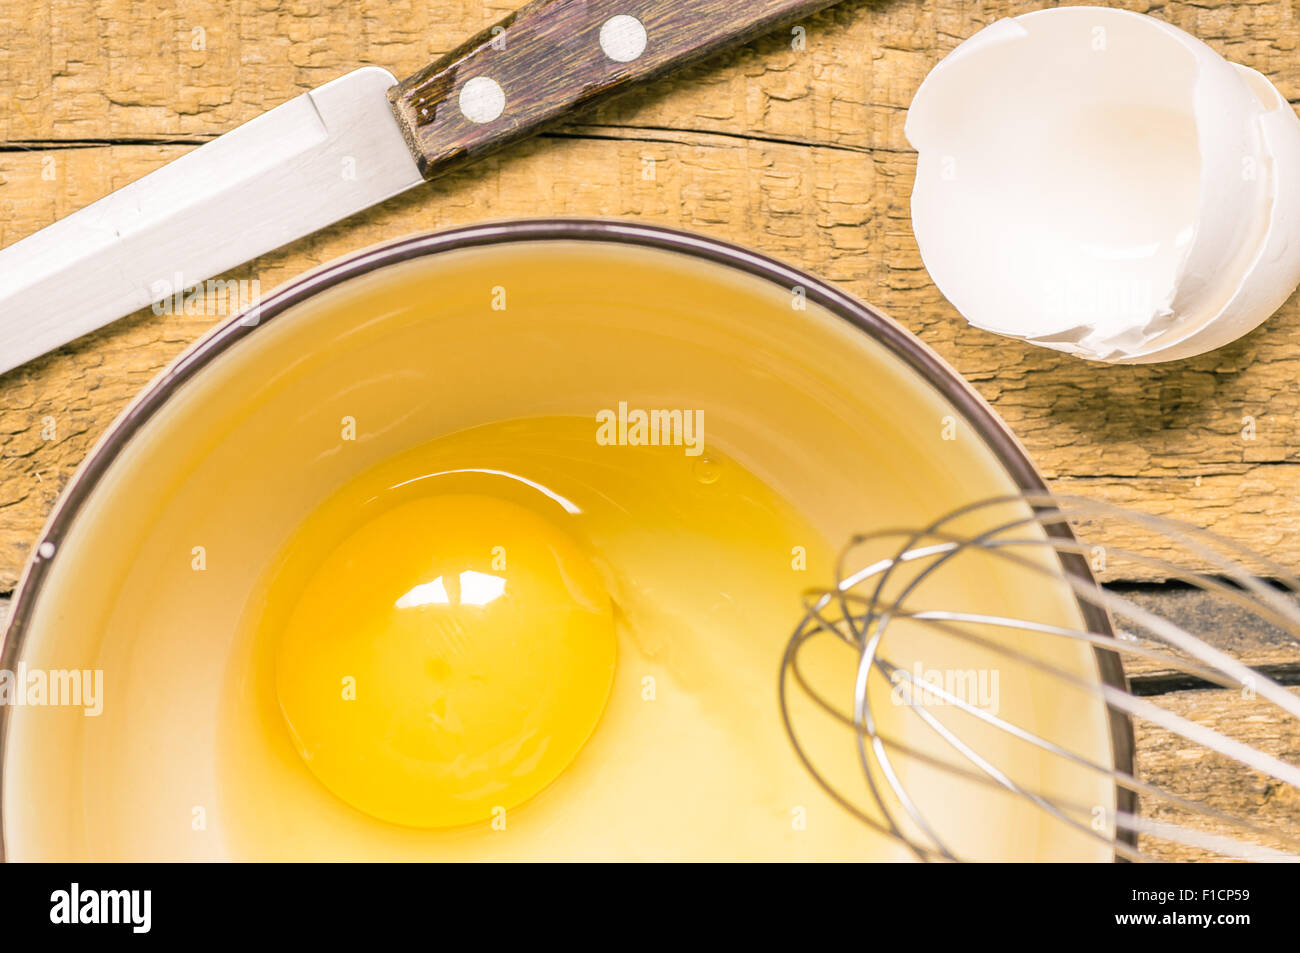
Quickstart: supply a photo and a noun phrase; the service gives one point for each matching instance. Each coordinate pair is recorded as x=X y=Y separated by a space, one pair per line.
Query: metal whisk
x=897 y=653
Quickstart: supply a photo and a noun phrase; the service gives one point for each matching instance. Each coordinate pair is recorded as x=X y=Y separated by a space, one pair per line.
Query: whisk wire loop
x=1027 y=545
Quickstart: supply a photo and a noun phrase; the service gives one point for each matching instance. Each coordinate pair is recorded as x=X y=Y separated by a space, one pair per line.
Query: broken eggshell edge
x=1243 y=260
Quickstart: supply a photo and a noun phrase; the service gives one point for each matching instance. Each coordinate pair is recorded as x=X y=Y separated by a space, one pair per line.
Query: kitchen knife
x=343 y=147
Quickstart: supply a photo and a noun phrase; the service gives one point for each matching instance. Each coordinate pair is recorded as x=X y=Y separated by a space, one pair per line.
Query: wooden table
x=793 y=145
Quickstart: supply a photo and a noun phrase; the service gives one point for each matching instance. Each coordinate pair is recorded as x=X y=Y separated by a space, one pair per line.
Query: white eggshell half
x=1100 y=182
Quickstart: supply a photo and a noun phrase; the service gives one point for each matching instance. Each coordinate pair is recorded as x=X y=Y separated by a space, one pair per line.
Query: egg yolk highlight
x=448 y=659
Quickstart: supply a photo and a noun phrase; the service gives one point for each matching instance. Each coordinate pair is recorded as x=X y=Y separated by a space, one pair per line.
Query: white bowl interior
x=827 y=417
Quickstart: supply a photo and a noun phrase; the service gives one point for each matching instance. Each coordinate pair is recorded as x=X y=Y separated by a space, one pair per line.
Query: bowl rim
x=901 y=343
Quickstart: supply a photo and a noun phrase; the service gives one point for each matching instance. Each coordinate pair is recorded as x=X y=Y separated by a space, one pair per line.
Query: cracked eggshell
x=1102 y=183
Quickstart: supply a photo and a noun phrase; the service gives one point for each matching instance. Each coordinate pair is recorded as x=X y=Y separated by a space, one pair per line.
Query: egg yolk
x=447 y=660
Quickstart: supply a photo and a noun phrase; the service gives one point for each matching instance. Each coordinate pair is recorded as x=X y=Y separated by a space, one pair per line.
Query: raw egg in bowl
x=486 y=544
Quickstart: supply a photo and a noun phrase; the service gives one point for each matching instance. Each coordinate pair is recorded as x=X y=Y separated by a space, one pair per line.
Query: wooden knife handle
x=553 y=56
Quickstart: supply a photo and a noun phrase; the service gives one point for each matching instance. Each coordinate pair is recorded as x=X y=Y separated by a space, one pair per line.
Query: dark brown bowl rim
x=900 y=342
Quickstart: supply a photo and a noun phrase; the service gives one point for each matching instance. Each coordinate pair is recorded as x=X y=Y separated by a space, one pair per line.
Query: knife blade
x=276 y=178
x=343 y=147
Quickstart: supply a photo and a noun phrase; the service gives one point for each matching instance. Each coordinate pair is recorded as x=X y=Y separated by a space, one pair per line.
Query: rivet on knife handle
x=555 y=55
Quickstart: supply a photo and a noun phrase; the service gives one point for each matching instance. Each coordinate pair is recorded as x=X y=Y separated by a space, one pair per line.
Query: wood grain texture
x=1240 y=633
x=1188 y=770
x=792 y=144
